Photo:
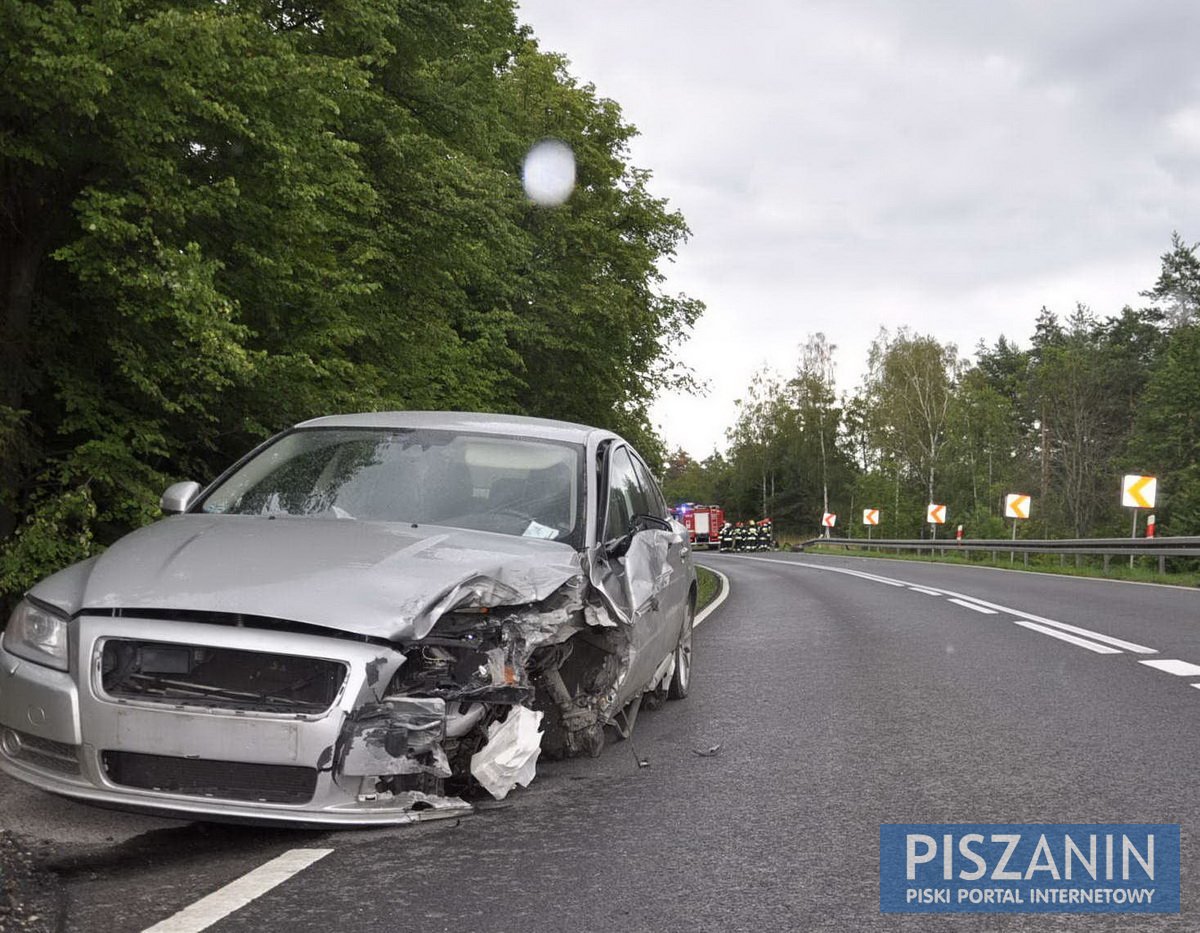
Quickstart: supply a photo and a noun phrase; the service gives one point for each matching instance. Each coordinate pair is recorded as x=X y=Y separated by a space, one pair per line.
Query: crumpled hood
x=369 y=578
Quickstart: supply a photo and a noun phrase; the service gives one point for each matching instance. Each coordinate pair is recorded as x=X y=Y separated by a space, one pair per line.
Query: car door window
x=625 y=495
x=655 y=504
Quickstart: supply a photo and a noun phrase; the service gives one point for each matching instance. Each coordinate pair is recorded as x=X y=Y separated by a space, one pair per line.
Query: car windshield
x=505 y=484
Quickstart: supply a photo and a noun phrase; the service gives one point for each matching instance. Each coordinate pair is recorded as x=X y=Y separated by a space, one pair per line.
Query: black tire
x=681 y=678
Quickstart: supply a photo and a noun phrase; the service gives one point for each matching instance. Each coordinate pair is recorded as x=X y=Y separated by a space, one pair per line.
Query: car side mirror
x=179 y=497
x=618 y=546
x=651 y=523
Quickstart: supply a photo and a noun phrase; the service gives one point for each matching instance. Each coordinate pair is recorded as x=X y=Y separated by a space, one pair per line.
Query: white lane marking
x=238 y=893
x=1177 y=587
x=1041 y=620
x=712 y=607
x=1085 y=632
x=1171 y=666
x=921 y=589
x=1055 y=633
x=967 y=605
x=853 y=573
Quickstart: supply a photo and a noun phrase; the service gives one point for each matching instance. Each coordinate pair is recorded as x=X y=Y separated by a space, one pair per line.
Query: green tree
x=753 y=445
x=216 y=220
x=1178 y=285
x=151 y=151
x=913 y=380
x=1166 y=440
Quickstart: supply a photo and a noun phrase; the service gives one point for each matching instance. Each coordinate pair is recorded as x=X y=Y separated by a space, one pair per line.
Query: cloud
x=951 y=167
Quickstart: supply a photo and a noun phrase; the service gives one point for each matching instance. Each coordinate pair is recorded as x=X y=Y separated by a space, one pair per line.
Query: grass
x=1145 y=569
x=709 y=587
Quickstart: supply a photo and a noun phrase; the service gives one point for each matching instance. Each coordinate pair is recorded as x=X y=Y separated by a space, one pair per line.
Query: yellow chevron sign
x=1016 y=505
x=935 y=514
x=1138 y=492
x=870 y=516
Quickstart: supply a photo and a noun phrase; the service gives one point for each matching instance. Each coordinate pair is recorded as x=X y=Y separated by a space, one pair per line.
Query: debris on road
x=711 y=752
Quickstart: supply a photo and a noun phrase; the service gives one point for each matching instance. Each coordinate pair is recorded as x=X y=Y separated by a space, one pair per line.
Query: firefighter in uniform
x=739 y=536
x=726 y=542
x=751 y=535
x=764 y=535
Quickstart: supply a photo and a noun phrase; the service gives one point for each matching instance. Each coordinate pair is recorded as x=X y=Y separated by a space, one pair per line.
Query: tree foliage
x=219 y=219
x=1089 y=399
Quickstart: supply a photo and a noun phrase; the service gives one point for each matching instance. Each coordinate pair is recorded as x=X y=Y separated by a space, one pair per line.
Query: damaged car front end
x=370 y=619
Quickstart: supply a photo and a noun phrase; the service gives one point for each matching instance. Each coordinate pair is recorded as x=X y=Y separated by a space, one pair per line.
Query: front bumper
x=60 y=732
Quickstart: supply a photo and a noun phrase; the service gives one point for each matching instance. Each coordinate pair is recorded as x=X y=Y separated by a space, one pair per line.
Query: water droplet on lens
x=549 y=172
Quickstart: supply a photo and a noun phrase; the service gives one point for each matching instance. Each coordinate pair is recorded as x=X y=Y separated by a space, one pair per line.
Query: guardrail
x=1107 y=548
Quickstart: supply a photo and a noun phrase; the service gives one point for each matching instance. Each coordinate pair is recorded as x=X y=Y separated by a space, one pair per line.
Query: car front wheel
x=681 y=680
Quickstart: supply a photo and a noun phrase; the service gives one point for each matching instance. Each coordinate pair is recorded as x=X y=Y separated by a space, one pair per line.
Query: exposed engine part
x=576 y=694
x=488 y=664
x=460 y=722
x=564 y=657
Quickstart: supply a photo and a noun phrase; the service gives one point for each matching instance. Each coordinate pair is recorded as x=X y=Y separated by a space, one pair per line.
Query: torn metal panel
x=641 y=574
x=510 y=756
x=418 y=804
x=401 y=735
x=392 y=582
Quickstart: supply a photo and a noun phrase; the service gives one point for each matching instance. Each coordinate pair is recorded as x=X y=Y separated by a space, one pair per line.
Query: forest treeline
x=218 y=219
x=1088 y=400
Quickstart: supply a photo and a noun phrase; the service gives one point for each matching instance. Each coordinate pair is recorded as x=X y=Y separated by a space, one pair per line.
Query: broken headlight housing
x=37 y=634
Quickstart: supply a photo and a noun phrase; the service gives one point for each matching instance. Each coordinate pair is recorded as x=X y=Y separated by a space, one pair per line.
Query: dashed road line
x=921 y=589
x=1173 y=666
x=981 y=609
x=1062 y=626
x=1084 y=638
x=1064 y=636
x=239 y=892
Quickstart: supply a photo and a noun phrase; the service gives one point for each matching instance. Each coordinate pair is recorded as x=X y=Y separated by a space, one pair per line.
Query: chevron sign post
x=1016 y=506
x=870 y=519
x=935 y=515
x=1138 y=492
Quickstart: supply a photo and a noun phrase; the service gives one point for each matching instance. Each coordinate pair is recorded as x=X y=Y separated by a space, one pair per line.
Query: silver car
x=362 y=621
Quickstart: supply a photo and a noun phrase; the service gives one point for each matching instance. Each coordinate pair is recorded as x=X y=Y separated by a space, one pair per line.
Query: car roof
x=478 y=422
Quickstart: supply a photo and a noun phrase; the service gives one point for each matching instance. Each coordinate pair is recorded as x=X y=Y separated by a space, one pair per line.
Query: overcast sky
x=843 y=166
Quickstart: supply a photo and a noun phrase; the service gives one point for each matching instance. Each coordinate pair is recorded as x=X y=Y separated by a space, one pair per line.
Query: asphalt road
x=840 y=701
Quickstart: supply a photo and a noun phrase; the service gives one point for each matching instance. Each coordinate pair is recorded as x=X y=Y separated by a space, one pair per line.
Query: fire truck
x=703 y=523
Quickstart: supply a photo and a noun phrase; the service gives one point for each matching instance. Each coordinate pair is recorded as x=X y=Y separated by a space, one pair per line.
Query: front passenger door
x=642 y=572
x=675 y=590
